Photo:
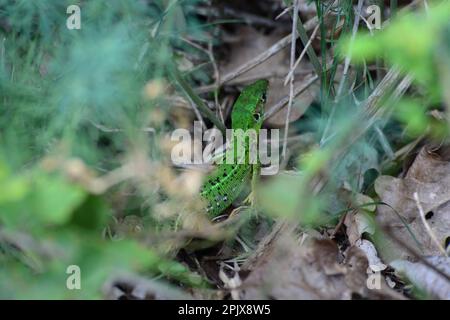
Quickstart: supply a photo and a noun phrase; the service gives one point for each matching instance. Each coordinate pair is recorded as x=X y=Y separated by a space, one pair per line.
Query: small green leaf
x=412 y=114
x=53 y=199
x=13 y=189
x=92 y=213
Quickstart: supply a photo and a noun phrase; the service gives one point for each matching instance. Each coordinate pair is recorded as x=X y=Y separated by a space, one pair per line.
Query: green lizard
x=225 y=184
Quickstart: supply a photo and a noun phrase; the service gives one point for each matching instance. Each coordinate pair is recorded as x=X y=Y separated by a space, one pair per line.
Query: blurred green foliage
x=412 y=41
x=63 y=224
x=60 y=89
x=418 y=44
x=57 y=87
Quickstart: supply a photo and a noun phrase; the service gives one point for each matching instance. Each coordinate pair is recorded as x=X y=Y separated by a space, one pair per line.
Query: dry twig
x=292 y=68
x=427 y=226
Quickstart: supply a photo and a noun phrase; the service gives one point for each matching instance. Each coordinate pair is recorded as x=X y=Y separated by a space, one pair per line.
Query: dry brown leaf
x=357 y=224
x=251 y=43
x=371 y=254
x=313 y=270
x=429 y=176
x=425 y=277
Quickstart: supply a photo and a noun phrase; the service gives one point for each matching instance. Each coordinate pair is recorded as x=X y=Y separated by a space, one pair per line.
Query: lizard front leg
x=251 y=199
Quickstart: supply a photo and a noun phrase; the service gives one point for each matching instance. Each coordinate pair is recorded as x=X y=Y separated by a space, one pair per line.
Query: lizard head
x=248 y=111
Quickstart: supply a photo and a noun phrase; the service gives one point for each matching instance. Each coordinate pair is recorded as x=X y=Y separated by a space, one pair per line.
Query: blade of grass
x=304 y=38
x=344 y=75
x=292 y=68
x=201 y=105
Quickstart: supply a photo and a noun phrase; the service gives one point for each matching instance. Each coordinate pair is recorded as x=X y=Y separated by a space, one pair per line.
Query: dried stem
x=427 y=226
x=292 y=68
x=195 y=98
x=274 y=49
x=280 y=104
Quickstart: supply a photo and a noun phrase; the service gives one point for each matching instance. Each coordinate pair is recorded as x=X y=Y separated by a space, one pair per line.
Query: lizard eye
x=256 y=116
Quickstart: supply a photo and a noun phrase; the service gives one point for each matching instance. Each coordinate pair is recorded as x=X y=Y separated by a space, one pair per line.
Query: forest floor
x=357 y=107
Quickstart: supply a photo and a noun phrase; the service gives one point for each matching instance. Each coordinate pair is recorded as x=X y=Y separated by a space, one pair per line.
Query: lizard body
x=225 y=184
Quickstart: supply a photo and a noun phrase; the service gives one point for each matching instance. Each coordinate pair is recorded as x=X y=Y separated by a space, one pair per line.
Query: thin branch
x=292 y=68
x=276 y=74
x=292 y=71
x=195 y=98
x=280 y=104
x=101 y=184
x=427 y=226
x=344 y=74
x=417 y=255
x=197 y=113
x=348 y=58
x=286 y=10
x=112 y=130
x=216 y=77
x=302 y=29
x=274 y=49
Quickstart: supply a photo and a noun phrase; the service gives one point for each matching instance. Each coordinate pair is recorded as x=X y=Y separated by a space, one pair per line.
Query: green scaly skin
x=225 y=184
